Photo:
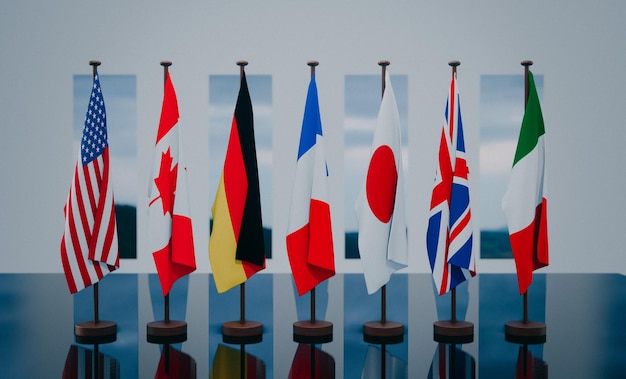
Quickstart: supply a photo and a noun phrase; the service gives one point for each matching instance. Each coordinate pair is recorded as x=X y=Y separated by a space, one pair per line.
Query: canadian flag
x=171 y=235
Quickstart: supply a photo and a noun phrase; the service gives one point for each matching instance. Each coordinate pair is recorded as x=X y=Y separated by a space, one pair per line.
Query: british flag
x=449 y=234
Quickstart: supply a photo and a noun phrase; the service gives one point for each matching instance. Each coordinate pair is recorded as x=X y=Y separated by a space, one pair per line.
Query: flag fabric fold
x=170 y=227
x=382 y=238
x=449 y=236
x=89 y=246
x=309 y=232
x=236 y=244
x=525 y=200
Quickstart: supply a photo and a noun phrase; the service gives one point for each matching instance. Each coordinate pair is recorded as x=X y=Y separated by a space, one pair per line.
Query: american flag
x=89 y=248
x=449 y=234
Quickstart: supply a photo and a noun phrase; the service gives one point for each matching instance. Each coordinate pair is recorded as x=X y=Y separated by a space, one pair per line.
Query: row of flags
x=89 y=247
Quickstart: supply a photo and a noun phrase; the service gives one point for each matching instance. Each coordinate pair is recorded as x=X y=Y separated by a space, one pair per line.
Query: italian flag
x=525 y=200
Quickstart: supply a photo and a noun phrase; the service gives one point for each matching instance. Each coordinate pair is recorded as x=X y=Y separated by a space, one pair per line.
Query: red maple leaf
x=166 y=182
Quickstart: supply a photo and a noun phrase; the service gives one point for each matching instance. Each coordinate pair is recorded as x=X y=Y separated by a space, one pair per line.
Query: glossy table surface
x=584 y=315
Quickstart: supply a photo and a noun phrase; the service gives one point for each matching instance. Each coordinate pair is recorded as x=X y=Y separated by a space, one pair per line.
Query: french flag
x=309 y=231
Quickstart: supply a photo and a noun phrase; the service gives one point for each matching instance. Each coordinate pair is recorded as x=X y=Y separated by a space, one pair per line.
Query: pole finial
x=166 y=63
x=527 y=63
x=95 y=63
x=454 y=63
x=312 y=64
x=383 y=65
x=241 y=65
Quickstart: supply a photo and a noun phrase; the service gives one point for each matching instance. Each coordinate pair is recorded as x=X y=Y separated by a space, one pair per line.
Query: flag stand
x=383 y=331
x=453 y=331
x=242 y=331
x=96 y=331
x=166 y=331
x=525 y=331
x=312 y=331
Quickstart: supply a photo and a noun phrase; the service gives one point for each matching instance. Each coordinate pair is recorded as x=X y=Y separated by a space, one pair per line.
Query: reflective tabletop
x=583 y=313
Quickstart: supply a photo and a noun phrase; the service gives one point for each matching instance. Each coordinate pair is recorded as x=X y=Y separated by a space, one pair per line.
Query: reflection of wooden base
x=312 y=331
x=237 y=332
x=453 y=332
x=531 y=332
x=172 y=331
x=91 y=332
x=377 y=332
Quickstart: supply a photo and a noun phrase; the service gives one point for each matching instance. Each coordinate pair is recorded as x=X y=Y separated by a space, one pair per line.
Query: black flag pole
x=96 y=331
x=312 y=331
x=242 y=331
x=525 y=331
x=453 y=330
x=166 y=331
x=166 y=299
x=383 y=331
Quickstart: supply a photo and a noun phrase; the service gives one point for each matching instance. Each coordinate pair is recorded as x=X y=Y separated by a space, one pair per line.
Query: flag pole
x=526 y=64
x=96 y=331
x=454 y=65
x=94 y=70
x=166 y=331
x=242 y=286
x=312 y=331
x=453 y=331
x=383 y=331
x=525 y=331
x=383 y=293
x=166 y=300
x=242 y=331
x=312 y=64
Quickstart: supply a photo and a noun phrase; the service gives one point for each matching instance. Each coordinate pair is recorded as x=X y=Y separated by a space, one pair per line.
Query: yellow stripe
x=228 y=272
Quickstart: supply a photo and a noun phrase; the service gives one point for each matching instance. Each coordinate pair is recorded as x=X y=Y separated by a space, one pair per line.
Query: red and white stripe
x=89 y=247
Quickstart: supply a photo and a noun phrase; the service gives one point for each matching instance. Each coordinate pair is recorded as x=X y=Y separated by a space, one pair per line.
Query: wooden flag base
x=456 y=332
x=95 y=332
x=312 y=331
x=242 y=332
x=530 y=332
x=378 y=332
x=165 y=332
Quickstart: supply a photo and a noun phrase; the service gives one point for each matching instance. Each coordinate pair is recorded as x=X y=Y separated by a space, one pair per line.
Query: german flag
x=236 y=246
